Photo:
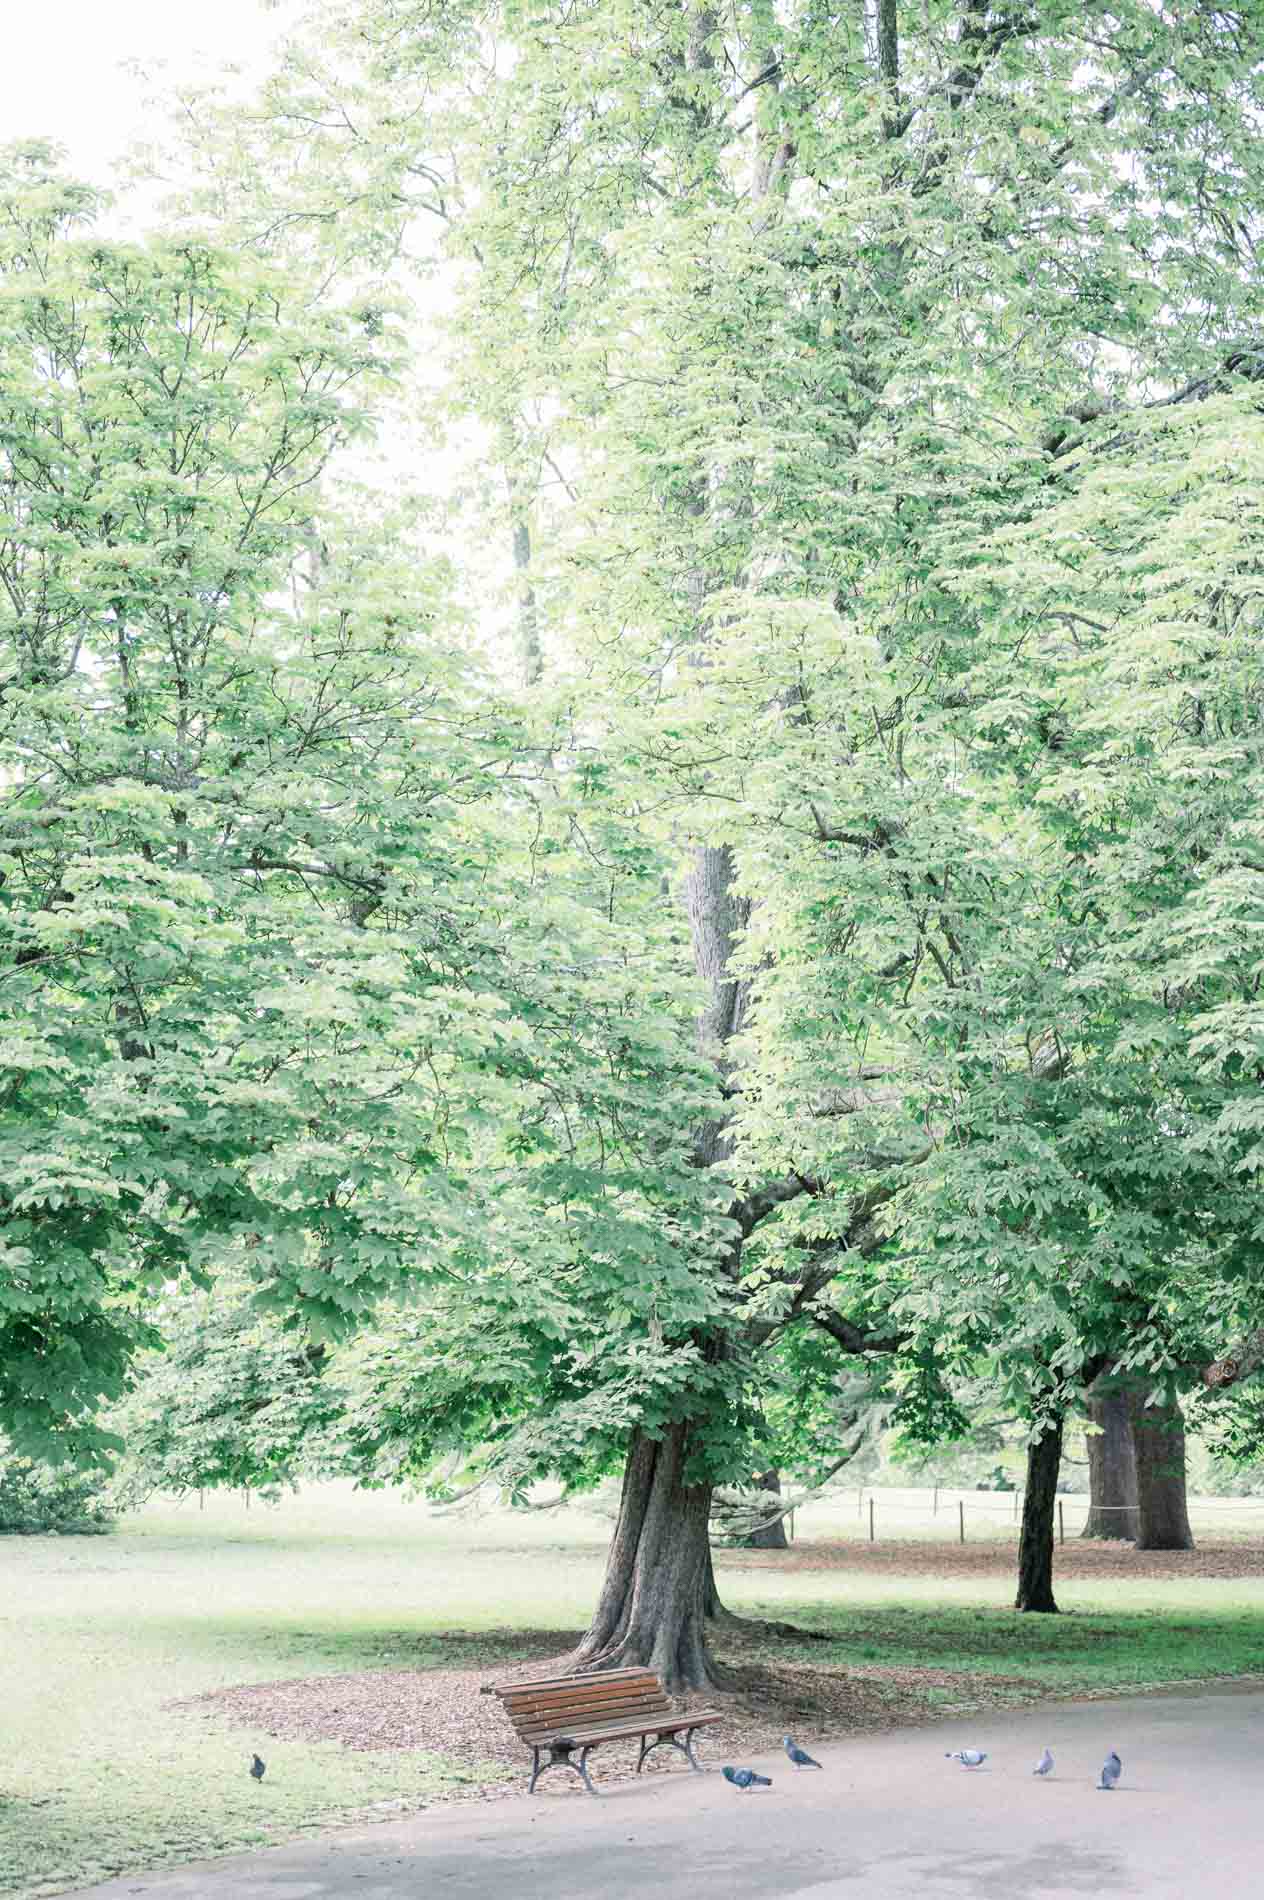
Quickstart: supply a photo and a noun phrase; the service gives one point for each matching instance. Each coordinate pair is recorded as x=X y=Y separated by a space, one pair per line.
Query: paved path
x=889 y=1819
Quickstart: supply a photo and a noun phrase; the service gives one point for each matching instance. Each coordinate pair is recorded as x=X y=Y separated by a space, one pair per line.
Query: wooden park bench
x=564 y=1713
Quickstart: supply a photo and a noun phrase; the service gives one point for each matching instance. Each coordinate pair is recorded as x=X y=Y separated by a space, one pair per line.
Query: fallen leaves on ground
x=438 y=1708
x=442 y=1710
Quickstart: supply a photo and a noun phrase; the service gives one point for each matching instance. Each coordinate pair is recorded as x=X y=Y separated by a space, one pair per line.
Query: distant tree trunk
x=1112 y=1469
x=659 y=1588
x=1158 y=1432
x=1035 y=1549
x=769 y=1536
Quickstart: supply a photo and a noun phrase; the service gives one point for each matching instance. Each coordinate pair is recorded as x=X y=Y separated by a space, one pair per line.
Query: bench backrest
x=551 y=1704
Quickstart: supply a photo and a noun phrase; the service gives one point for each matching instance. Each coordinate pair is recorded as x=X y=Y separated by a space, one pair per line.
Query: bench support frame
x=560 y=1757
x=669 y=1739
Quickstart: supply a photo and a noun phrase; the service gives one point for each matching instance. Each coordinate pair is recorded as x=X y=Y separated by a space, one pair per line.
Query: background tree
x=844 y=350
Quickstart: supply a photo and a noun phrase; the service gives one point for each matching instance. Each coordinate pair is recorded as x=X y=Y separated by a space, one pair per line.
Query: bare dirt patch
x=1074 y=1560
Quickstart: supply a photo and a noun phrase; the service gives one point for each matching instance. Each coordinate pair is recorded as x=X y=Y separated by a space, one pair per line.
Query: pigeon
x=1045 y=1765
x=968 y=1757
x=746 y=1778
x=1112 y=1768
x=799 y=1756
x=257 y=1767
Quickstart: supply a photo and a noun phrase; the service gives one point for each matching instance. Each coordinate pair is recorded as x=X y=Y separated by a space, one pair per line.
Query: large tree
x=892 y=373
x=285 y=987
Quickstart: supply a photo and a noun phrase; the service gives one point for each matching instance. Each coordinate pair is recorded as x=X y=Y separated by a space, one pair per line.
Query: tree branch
x=1247 y=1356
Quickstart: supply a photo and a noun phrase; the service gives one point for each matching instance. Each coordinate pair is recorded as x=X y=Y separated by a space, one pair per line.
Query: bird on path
x=799 y=1756
x=1045 y=1765
x=746 y=1778
x=968 y=1757
x=1112 y=1768
x=257 y=1767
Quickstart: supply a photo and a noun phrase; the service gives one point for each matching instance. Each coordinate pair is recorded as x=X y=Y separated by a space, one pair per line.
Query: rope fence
x=944 y=1512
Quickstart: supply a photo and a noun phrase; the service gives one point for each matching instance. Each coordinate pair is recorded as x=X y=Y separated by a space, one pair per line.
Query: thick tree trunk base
x=1035 y=1549
x=1112 y=1469
x=659 y=1588
x=1158 y=1433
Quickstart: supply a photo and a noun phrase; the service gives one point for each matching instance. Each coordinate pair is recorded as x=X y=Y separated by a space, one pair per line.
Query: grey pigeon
x=799 y=1756
x=968 y=1757
x=1112 y=1768
x=1045 y=1765
x=257 y=1767
x=746 y=1778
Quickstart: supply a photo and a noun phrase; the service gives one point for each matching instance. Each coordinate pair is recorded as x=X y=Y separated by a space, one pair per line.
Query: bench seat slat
x=590 y=1718
x=615 y=1731
x=632 y=1693
x=599 y=1703
x=637 y=1699
x=570 y=1682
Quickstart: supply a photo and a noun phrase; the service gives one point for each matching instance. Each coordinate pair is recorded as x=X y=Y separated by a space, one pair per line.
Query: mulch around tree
x=439 y=1708
x=442 y=1710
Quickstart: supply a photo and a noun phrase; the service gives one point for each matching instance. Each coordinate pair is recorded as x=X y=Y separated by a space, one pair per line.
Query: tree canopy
x=847 y=933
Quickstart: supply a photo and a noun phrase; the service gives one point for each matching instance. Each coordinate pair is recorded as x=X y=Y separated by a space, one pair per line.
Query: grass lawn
x=98 y=1636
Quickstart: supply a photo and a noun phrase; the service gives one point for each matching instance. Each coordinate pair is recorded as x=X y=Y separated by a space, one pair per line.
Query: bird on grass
x=746 y=1778
x=1112 y=1768
x=968 y=1757
x=258 y=1768
x=799 y=1756
x=1045 y=1765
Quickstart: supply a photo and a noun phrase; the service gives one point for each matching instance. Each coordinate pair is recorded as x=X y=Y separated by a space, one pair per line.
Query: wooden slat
x=563 y=1682
x=614 y=1732
x=590 y=1712
x=660 y=1725
x=542 y=1711
x=612 y=1712
x=628 y=1693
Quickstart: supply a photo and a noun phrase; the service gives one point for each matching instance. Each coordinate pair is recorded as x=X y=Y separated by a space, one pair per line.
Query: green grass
x=99 y=1635
x=1182 y=1636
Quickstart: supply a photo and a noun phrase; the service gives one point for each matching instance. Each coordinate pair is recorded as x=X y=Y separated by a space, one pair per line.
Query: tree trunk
x=1035 y=1549
x=659 y=1588
x=1158 y=1432
x=1112 y=1470
x=769 y=1536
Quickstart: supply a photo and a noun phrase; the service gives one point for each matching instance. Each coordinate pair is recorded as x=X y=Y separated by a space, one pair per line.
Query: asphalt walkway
x=888 y=1819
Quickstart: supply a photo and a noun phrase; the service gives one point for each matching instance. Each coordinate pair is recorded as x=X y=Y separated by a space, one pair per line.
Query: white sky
x=64 y=69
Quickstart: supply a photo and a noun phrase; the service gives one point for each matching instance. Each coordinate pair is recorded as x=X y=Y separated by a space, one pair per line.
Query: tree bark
x=659 y=1587
x=1158 y=1433
x=1035 y=1549
x=769 y=1536
x=1112 y=1470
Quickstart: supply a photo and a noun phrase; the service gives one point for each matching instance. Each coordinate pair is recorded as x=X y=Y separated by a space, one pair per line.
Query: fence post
x=961 y=1518
x=934 y=1503
x=792 y=1527
x=1015 y=1504
x=1061 y=1525
x=871 y=1520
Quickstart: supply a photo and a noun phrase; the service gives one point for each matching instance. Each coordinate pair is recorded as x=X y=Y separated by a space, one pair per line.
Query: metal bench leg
x=560 y=1757
x=684 y=1748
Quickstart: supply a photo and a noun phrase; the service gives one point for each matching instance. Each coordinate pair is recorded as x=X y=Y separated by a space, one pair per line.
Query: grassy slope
x=97 y=1635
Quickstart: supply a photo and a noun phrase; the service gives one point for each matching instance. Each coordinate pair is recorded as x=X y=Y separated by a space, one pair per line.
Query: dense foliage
x=844 y=943
x=38 y=1500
